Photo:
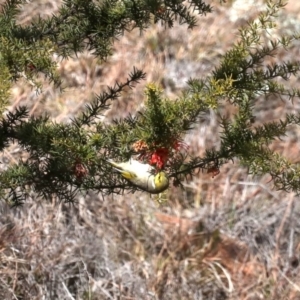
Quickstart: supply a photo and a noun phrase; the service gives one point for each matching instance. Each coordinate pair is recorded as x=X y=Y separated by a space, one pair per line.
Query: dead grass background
x=231 y=237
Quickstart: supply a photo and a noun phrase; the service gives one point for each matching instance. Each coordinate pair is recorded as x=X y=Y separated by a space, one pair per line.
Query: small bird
x=140 y=175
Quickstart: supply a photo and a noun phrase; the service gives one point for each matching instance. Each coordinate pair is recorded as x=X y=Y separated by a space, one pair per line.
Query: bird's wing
x=132 y=168
x=128 y=175
x=135 y=164
x=126 y=169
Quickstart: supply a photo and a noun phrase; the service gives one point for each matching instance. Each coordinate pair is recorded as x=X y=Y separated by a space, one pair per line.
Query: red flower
x=159 y=157
x=214 y=170
x=177 y=145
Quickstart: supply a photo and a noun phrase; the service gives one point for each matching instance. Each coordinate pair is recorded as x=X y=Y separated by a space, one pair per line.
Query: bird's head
x=161 y=181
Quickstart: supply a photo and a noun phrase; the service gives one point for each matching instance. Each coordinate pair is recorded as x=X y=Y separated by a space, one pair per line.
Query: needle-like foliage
x=63 y=159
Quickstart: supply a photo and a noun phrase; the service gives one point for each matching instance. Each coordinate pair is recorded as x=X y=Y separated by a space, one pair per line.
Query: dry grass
x=231 y=237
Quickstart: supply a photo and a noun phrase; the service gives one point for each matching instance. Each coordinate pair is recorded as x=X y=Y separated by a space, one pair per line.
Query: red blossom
x=159 y=157
x=177 y=145
x=214 y=170
x=31 y=67
x=79 y=169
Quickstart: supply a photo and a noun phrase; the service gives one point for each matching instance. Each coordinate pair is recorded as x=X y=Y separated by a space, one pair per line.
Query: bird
x=141 y=175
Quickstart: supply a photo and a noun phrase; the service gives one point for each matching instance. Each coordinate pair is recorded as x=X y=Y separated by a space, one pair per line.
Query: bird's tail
x=114 y=164
x=119 y=167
